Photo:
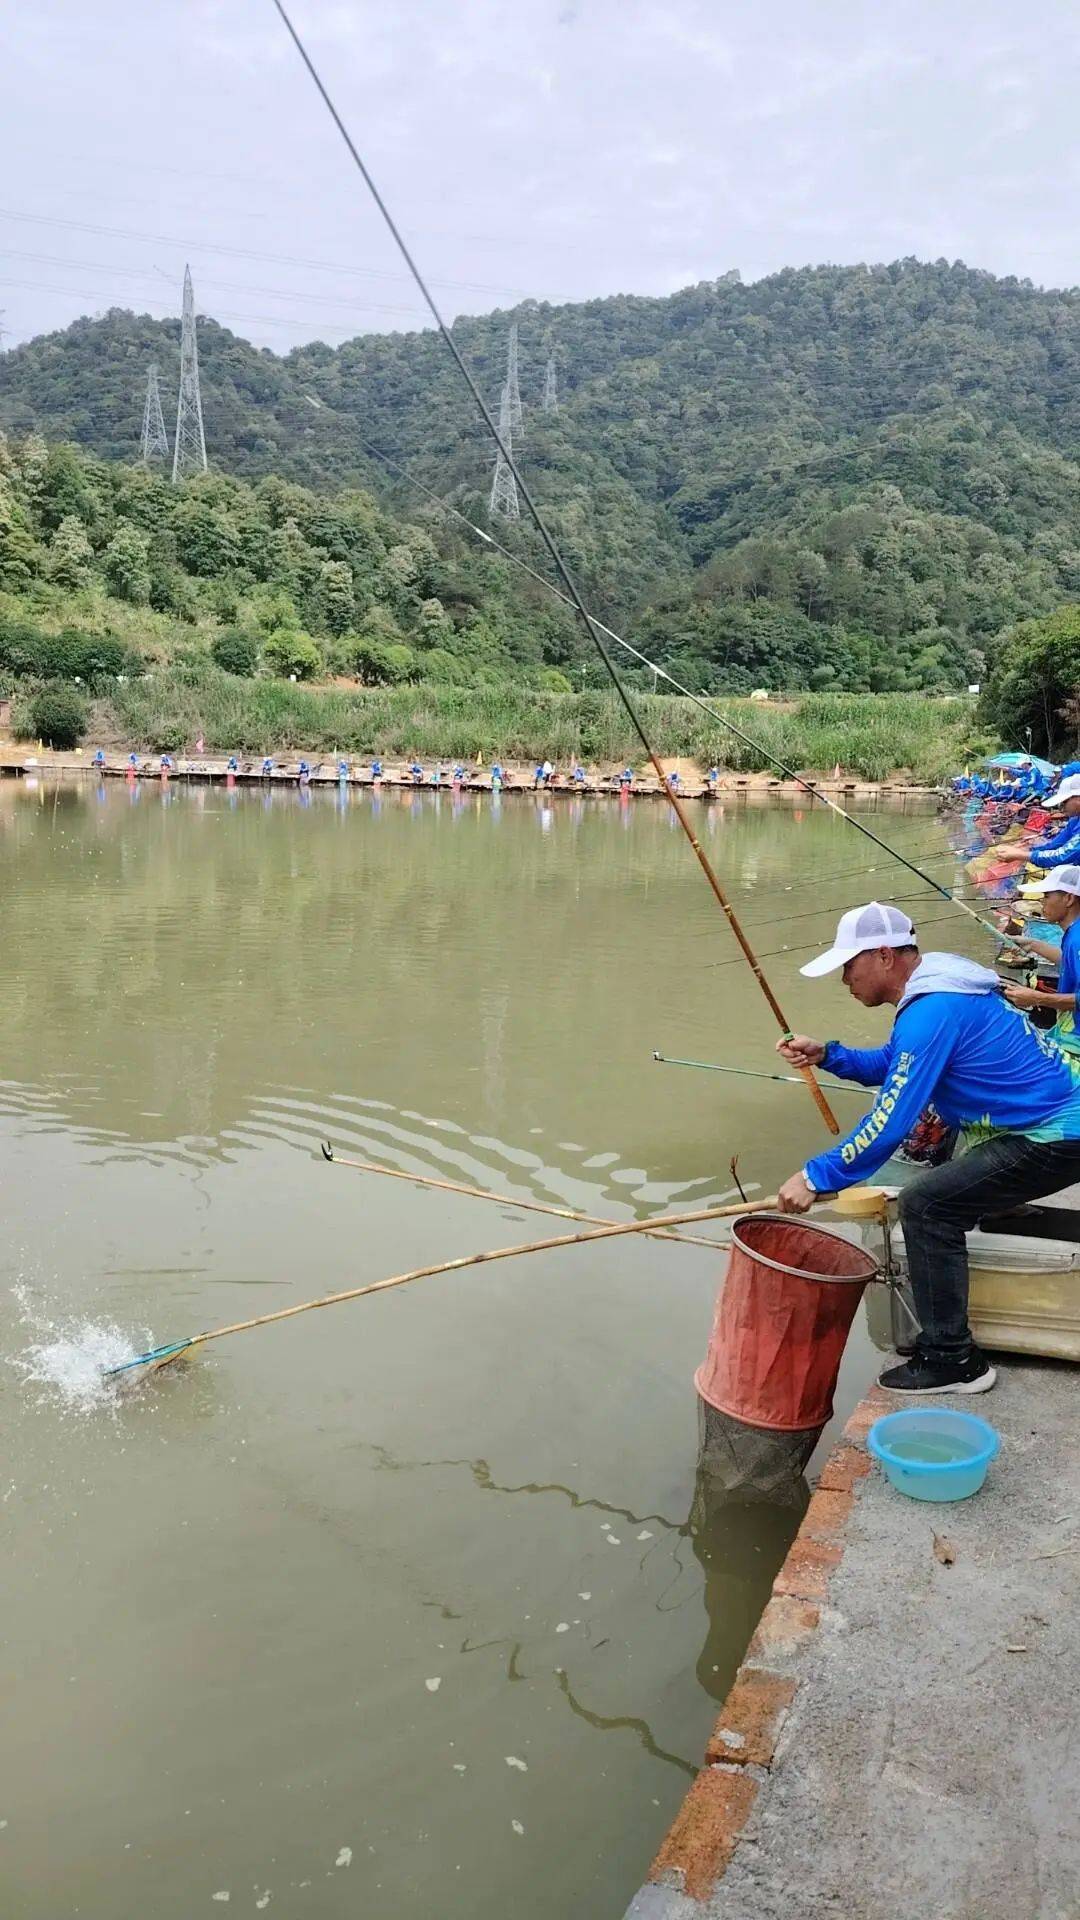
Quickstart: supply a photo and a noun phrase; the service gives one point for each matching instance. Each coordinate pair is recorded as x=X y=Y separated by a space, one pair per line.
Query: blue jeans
x=938 y=1210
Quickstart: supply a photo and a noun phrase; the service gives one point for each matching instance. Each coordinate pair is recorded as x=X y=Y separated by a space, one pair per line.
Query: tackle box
x=1025 y=1293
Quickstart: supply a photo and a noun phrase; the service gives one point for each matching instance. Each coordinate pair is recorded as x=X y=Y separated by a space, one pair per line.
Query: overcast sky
x=555 y=148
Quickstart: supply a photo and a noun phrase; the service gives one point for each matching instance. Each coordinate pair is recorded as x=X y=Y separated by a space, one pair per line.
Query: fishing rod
x=501 y=1199
x=750 y=1073
x=557 y=561
x=156 y=1357
x=662 y=673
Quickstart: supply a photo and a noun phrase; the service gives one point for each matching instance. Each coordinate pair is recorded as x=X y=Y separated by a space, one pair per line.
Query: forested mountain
x=848 y=476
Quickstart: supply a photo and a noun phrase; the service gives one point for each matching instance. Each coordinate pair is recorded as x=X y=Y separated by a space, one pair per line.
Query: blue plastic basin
x=934 y=1453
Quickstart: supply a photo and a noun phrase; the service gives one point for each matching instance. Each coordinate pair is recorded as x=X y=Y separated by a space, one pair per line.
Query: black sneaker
x=918 y=1375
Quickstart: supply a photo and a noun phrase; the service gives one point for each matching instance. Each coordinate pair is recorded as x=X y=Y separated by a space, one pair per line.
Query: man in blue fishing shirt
x=1060 y=895
x=1063 y=847
x=988 y=1071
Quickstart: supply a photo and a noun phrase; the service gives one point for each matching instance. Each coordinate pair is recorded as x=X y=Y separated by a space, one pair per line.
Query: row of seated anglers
x=1028 y=783
x=1060 y=849
x=545 y=776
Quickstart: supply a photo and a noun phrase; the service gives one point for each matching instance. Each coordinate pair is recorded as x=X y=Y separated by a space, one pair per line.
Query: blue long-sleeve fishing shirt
x=955 y=1042
x=1059 y=838
x=1061 y=849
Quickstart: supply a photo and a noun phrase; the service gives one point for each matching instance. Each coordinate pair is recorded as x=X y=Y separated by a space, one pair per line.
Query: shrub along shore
x=869 y=735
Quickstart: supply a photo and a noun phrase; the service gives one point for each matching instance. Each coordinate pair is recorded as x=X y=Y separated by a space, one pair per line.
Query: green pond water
x=395 y=1609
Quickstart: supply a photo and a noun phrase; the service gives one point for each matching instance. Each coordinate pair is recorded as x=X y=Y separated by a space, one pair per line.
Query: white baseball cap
x=1058 y=880
x=1068 y=790
x=860 y=931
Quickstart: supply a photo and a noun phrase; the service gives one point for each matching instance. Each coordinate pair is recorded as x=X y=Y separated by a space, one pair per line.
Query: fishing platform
x=213 y=770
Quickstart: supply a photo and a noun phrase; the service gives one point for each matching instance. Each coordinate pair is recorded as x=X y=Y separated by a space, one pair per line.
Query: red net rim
x=747 y=1221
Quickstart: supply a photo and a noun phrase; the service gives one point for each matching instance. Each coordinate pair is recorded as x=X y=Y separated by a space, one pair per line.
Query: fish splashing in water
x=68 y=1358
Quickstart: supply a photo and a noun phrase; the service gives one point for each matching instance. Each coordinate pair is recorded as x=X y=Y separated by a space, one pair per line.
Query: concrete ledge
x=902 y=1736
x=742 y=1746
x=707 y=1826
x=753 y=1712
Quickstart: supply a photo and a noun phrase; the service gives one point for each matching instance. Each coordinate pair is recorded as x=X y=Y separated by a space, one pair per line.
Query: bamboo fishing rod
x=559 y=564
x=505 y=1199
x=706 y=706
x=159 y=1356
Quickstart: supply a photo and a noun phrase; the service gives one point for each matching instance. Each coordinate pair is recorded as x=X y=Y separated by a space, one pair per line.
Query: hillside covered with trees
x=834 y=478
x=267 y=577
x=271 y=618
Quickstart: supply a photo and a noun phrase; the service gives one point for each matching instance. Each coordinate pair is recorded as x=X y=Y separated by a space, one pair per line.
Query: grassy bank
x=871 y=735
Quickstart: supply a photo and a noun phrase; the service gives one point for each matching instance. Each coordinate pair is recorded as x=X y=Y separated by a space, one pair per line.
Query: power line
x=166 y=311
x=248 y=253
x=232 y=286
x=275 y=191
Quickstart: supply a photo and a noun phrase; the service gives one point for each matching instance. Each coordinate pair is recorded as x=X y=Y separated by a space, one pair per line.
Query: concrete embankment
x=902 y=1737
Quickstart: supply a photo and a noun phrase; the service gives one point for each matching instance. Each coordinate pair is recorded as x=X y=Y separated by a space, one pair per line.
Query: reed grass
x=870 y=735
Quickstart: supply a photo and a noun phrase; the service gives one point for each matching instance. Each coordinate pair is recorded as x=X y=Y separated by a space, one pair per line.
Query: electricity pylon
x=504 y=493
x=516 y=422
x=551 y=397
x=155 y=441
x=189 y=448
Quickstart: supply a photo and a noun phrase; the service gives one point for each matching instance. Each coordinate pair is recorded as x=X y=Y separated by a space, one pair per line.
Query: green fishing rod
x=750 y=1073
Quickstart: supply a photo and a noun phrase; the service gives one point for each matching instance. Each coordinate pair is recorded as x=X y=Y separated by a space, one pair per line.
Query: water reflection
x=194 y=996
x=737 y=1543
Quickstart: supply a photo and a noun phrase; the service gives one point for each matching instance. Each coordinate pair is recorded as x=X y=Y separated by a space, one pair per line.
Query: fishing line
x=663 y=674
x=765 y=884
x=845 y=873
x=812 y=913
x=770 y=953
x=557 y=561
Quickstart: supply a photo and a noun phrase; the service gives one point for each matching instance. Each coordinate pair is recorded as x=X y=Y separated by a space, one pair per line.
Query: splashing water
x=68 y=1359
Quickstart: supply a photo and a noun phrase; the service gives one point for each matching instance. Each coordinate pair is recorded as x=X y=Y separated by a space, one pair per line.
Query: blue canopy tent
x=1015 y=760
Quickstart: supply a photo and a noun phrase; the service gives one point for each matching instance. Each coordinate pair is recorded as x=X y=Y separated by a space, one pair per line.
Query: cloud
x=563 y=148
